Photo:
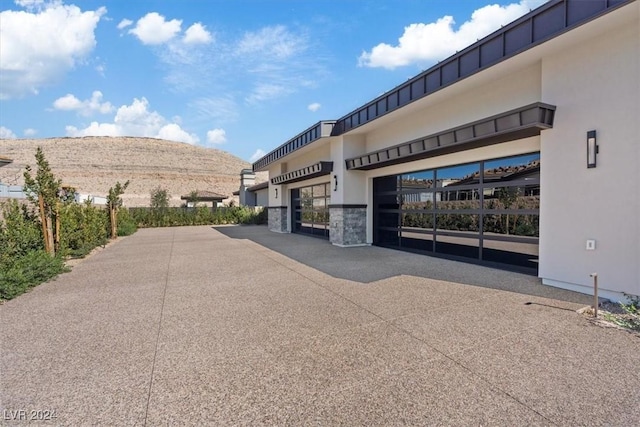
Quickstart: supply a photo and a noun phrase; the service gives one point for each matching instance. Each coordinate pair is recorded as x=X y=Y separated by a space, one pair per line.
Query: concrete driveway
x=239 y=326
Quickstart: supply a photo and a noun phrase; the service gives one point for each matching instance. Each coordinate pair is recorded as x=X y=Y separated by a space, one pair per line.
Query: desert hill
x=94 y=164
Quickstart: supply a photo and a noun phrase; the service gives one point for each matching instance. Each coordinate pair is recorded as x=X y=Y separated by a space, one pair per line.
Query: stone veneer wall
x=348 y=225
x=277 y=219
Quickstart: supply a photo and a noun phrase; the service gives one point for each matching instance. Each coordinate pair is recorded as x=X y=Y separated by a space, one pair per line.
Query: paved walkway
x=201 y=326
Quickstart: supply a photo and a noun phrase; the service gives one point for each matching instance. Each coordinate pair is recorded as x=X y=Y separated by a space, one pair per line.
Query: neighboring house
x=95 y=200
x=10 y=191
x=250 y=193
x=491 y=155
x=204 y=197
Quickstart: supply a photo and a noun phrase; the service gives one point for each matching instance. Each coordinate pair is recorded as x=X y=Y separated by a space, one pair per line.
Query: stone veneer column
x=348 y=225
x=278 y=219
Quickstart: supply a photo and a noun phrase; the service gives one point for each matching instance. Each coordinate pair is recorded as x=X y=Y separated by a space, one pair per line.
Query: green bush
x=82 y=228
x=201 y=215
x=27 y=271
x=126 y=223
x=20 y=231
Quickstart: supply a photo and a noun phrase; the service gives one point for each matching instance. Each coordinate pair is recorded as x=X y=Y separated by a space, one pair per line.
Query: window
x=485 y=210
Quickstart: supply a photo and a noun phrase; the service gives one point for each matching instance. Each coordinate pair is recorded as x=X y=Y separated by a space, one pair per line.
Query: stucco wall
x=595 y=86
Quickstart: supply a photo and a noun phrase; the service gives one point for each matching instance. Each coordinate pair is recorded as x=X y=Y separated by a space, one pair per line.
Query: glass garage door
x=487 y=211
x=311 y=210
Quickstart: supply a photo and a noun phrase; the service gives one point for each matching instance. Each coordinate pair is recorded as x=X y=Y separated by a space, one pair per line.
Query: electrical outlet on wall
x=591 y=245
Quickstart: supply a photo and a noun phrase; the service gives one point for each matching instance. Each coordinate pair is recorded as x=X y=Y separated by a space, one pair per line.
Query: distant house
x=10 y=191
x=204 y=197
x=250 y=193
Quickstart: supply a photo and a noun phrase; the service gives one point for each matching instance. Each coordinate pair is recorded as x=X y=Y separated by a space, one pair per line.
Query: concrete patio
x=240 y=326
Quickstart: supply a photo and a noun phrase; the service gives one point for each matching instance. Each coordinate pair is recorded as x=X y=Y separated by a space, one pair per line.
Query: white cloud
x=124 y=24
x=275 y=42
x=6 y=133
x=259 y=153
x=267 y=91
x=216 y=136
x=153 y=29
x=197 y=34
x=30 y=132
x=426 y=43
x=314 y=107
x=173 y=132
x=30 y=4
x=136 y=120
x=39 y=48
x=85 y=108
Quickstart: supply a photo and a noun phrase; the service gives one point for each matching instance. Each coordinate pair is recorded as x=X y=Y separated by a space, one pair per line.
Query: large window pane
x=417 y=180
x=417 y=220
x=458 y=246
x=458 y=199
x=512 y=225
x=458 y=175
x=525 y=167
x=420 y=201
x=457 y=222
x=525 y=197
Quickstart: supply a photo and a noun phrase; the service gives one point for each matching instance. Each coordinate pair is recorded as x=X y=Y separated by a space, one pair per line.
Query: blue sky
x=243 y=76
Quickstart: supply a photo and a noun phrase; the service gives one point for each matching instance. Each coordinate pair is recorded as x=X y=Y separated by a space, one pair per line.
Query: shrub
x=126 y=224
x=201 y=215
x=20 y=231
x=83 y=227
x=27 y=271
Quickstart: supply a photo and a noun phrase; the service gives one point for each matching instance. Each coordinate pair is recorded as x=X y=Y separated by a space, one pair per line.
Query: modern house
x=521 y=150
x=203 y=196
x=250 y=193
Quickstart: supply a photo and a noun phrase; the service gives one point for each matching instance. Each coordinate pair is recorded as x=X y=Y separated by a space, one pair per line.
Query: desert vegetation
x=37 y=237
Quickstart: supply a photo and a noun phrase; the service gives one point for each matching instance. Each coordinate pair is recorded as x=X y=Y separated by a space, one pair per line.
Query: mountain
x=94 y=164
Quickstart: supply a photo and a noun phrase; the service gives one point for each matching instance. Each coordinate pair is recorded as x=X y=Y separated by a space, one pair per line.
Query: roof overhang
x=522 y=122
x=313 y=171
x=4 y=161
x=321 y=129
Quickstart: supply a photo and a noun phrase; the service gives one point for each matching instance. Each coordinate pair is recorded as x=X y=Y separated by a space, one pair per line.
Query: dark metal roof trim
x=520 y=123
x=260 y=186
x=319 y=130
x=315 y=170
x=542 y=24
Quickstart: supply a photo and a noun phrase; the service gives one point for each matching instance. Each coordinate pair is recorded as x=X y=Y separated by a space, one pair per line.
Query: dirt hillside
x=93 y=164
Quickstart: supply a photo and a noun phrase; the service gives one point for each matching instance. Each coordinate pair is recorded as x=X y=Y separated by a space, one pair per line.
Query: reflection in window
x=512 y=224
x=417 y=220
x=458 y=175
x=525 y=167
x=458 y=222
x=417 y=181
x=440 y=210
x=527 y=197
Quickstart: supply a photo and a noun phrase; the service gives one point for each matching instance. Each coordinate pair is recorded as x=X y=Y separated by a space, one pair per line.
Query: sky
x=242 y=76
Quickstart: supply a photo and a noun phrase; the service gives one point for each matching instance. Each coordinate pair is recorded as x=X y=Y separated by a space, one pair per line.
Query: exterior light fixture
x=276 y=190
x=335 y=182
x=592 y=149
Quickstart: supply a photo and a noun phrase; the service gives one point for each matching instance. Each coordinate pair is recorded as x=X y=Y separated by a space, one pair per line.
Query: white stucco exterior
x=591 y=75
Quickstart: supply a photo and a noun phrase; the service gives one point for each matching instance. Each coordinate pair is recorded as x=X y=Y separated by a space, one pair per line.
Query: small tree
x=193 y=199
x=44 y=190
x=114 y=202
x=159 y=198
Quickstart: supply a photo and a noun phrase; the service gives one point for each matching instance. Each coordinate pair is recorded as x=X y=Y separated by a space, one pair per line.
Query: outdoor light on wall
x=335 y=182
x=276 y=190
x=592 y=149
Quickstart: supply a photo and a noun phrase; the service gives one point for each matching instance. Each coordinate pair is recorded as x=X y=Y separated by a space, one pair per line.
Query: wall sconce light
x=335 y=182
x=276 y=190
x=592 y=149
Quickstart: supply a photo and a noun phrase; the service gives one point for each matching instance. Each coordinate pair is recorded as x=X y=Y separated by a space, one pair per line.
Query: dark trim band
x=313 y=171
x=515 y=124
